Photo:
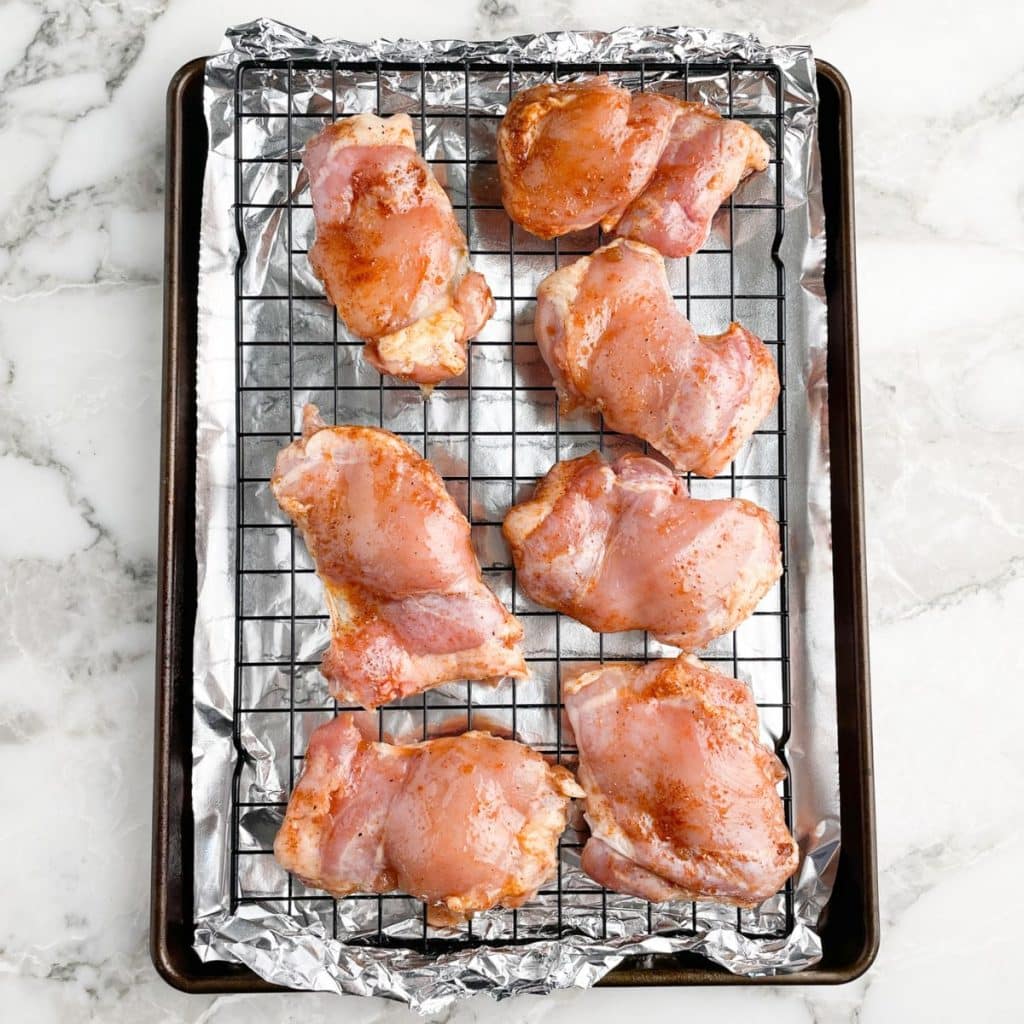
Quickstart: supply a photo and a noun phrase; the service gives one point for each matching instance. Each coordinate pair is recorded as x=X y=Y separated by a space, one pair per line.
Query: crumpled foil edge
x=303 y=956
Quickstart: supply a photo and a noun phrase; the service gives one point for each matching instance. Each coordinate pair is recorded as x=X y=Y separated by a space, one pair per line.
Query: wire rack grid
x=491 y=433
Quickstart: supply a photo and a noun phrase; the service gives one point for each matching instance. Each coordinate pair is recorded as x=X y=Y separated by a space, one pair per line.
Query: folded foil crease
x=297 y=950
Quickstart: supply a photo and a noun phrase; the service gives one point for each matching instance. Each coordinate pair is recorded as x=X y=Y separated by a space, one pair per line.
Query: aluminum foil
x=298 y=948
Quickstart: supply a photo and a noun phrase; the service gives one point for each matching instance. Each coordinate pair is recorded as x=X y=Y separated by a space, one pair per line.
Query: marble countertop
x=941 y=258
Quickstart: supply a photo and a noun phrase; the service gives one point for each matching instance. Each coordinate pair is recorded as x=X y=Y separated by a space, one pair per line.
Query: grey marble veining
x=941 y=258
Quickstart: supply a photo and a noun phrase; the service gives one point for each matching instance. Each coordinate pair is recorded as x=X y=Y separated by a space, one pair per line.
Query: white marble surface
x=939 y=109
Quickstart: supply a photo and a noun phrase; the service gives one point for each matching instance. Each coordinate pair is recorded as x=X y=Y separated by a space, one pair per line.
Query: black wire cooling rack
x=492 y=434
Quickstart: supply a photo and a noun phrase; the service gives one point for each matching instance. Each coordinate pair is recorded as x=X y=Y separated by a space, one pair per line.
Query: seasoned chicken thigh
x=706 y=158
x=409 y=608
x=392 y=257
x=645 y=165
x=625 y=547
x=464 y=823
x=681 y=792
x=572 y=155
x=615 y=342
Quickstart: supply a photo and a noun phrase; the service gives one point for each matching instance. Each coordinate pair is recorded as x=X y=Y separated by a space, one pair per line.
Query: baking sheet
x=298 y=949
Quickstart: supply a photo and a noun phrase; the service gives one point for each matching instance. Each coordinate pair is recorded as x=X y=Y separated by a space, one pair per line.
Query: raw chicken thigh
x=681 y=792
x=645 y=165
x=625 y=547
x=464 y=823
x=409 y=608
x=615 y=342
x=706 y=158
x=392 y=257
x=570 y=156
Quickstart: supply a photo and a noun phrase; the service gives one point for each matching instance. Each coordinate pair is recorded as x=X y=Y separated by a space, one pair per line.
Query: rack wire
x=492 y=433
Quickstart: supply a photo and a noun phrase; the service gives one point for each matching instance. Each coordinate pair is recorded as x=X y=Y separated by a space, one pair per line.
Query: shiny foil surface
x=251 y=726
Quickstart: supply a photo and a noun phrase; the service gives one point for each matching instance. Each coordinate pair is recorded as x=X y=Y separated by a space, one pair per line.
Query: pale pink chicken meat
x=682 y=797
x=623 y=546
x=706 y=158
x=409 y=608
x=464 y=823
x=645 y=165
x=609 y=331
x=573 y=155
x=392 y=257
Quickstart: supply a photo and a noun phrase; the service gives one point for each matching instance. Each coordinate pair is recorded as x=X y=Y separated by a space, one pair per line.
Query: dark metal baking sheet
x=849 y=929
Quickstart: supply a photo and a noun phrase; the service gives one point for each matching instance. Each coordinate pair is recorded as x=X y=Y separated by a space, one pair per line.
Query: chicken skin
x=571 y=156
x=615 y=343
x=464 y=823
x=645 y=165
x=393 y=259
x=681 y=793
x=623 y=546
x=706 y=158
x=409 y=608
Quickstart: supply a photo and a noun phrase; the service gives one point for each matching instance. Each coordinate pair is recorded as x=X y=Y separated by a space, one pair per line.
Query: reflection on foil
x=308 y=942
